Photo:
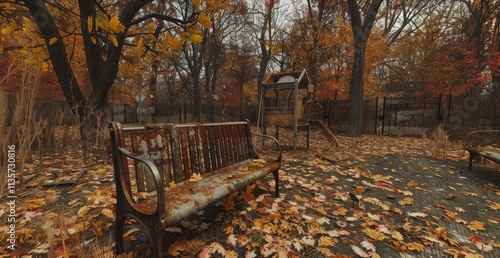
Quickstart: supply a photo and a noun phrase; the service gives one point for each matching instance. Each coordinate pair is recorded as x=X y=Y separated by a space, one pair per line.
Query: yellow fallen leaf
x=476 y=225
x=327 y=241
x=195 y=177
x=228 y=230
x=83 y=210
x=495 y=206
x=108 y=213
x=415 y=247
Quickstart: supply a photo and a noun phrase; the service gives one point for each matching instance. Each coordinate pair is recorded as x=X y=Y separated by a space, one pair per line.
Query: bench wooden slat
x=205 y=149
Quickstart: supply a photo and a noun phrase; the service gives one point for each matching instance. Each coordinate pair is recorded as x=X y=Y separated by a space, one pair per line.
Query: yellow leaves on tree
x=205 y=21
x=196 y=38
x=112 y=25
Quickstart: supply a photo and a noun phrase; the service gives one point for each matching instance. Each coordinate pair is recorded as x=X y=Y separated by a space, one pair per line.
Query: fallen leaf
x=369 y=246
x=495 y=206
x=359 y=252
x=177 y=247
x=327 y=241
x=248 y=193
x=406 y=201
x=173 y=230
x=476 y=225
x=195 y=177
x=480 y=243
x=228 y=201
x=451 y=197
x=83 y=210
x=415 y=247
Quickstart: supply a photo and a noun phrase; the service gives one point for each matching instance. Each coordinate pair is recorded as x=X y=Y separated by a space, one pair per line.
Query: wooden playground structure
x=287 y=101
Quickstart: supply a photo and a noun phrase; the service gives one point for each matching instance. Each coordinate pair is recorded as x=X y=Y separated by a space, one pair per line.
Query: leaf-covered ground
x=408 y=203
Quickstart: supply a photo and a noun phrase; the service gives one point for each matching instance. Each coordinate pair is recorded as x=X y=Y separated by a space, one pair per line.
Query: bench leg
x=277 y=182
x=119 y=224
x=471 y=157
x=154 y=232
x=155 y=237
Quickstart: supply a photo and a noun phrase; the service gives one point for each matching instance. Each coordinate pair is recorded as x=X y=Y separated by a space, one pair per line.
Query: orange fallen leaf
x=248 y=193
x=228 y=201
x=451 y=197
x=177 y=247
x=406 y=201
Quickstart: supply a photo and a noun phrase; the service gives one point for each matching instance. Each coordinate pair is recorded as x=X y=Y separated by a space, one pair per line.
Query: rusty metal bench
x=476 y=147
x=155 y=187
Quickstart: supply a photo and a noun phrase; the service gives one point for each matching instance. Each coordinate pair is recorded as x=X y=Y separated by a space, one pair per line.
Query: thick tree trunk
x=361 y=32
x=356 y=94
x=57 y=53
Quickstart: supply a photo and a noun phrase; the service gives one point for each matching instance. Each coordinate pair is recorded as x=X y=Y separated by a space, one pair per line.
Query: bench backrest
x=180 y=150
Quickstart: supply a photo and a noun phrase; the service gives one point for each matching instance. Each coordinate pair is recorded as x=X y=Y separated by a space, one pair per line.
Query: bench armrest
x=160 y=188
x=467 y=139
x=275 y=141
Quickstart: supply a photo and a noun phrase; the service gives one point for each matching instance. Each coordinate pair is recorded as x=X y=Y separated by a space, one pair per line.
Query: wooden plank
x=212 y=133
x=205 y=149
x=192 y=145
x=185 y=154
x=176 y=154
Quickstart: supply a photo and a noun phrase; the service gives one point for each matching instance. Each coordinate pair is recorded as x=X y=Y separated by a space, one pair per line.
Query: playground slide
x=326 y=131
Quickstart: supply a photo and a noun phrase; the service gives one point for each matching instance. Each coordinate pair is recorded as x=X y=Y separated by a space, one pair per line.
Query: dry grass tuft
x=437 y=141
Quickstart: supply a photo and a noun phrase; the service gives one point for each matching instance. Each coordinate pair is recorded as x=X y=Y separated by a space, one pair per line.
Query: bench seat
x=189 y=197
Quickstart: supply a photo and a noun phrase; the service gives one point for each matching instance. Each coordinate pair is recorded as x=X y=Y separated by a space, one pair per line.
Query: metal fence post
x=376 y=115
x=439 y=117
x=383 y=115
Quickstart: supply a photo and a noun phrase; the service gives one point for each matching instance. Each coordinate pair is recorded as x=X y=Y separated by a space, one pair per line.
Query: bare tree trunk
x=361 y=32
x=356 y=94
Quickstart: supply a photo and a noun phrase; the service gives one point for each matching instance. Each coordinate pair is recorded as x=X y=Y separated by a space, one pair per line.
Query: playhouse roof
x=284 y=78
